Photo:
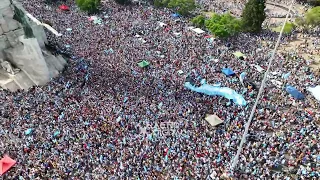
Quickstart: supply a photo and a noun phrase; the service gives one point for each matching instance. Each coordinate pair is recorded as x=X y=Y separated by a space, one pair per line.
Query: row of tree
x=183 y=7
x=223 y=25
x=226 y=25
x=90 y=6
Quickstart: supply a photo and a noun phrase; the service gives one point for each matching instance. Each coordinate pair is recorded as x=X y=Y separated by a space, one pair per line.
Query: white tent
x=315 y=92
x=214 y=120
x=198 y=30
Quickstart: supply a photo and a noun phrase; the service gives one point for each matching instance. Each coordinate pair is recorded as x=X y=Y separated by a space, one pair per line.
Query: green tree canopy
x=253 y=15
x=312 y=17
x=300 y=21
x=90 y=6
x=288 y=28
x=199 y=21
x=161 y=3
x=123 y=2
x=223 y=25
x=183 y=7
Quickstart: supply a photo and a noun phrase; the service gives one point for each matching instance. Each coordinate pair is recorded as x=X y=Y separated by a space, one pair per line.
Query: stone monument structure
x=24 y=60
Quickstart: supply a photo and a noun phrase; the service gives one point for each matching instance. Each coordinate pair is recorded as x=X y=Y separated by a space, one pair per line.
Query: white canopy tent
x=213 y=120
x=315 y=91
x=198 y=30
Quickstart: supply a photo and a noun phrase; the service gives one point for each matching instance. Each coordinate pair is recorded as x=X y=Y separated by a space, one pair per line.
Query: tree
x=183 y=7
x=90 y=6
x=161 y=3
x=253 y=15
x=199 y=21
x=223 y=25
x=123 y=2
x=300 y=21
x=288 y=28
x=157 y=3
x=312 y=17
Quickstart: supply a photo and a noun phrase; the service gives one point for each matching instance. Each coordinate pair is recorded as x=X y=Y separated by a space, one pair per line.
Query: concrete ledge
x=281 y=6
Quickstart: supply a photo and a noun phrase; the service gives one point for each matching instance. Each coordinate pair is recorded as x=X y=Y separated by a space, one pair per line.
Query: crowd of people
x=105 y=117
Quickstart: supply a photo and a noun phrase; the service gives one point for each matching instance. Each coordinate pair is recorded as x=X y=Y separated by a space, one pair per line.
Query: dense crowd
x=107 y=118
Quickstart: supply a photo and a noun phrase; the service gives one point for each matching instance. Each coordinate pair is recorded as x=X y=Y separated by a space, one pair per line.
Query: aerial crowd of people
x=105 y=117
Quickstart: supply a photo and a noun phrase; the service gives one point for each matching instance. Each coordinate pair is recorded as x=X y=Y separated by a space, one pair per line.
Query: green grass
x=277 y=29
x=287 y=28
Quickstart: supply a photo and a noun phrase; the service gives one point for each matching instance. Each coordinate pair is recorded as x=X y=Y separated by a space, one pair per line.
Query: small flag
x=56 y=133
x=286 y=76
x=242 y=76
x=28 y=131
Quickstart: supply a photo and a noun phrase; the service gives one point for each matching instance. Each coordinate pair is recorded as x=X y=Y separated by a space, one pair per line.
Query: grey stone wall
x=37 y=65
x=10 y=29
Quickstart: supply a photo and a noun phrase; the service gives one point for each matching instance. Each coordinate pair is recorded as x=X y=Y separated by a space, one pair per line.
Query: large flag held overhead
x=64 y=7
x=242 y=76
x=294 y=92
x=175 y=15
x=238 y=54
x=228 y=71
x=213 y=120
x=143 y=63
x=217 y=91
x=5 y=164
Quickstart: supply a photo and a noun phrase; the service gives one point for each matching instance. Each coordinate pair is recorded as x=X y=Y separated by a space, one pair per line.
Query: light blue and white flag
x=28 y=131
x=286 y=76
x=242 y=76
